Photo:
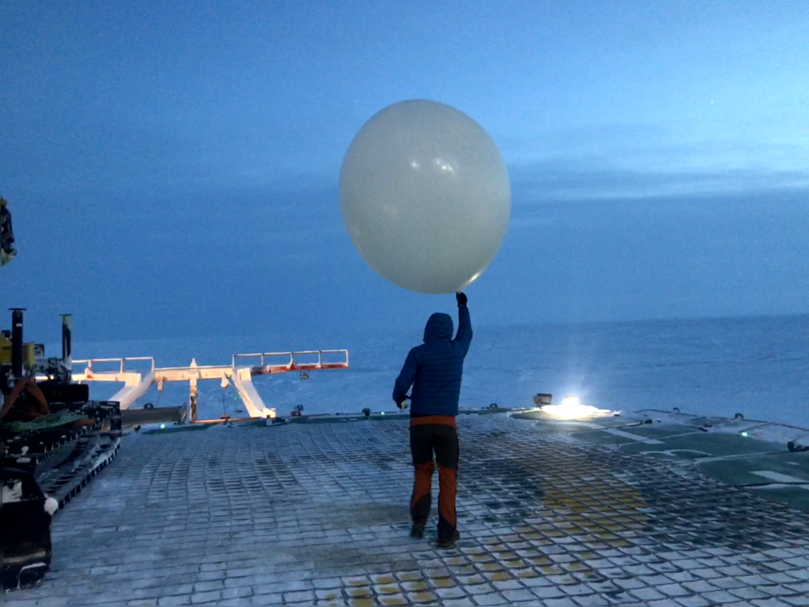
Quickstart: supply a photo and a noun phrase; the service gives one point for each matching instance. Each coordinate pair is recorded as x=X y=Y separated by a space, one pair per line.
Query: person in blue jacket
x=435 y=369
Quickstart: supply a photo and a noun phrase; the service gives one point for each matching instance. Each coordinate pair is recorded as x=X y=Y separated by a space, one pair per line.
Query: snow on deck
x=316 y=513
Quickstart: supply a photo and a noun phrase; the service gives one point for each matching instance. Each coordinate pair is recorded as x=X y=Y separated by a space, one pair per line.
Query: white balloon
x=425 y=196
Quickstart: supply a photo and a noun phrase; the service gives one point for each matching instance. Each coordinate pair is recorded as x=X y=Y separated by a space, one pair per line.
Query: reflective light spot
x=571 y=408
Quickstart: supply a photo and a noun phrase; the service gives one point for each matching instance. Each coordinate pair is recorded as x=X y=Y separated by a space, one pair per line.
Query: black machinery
x=47 y=460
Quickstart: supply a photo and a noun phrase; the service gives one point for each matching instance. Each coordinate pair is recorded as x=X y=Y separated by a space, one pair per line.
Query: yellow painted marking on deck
x=552 y=570
x=383 y=579
x=465 y=570
x=471 y=580
x=359 y=592
x=424 y=597
x=599 y=508
x=415 y=586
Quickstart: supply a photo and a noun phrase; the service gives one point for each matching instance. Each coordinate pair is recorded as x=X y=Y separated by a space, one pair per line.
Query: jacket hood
x=439 y=328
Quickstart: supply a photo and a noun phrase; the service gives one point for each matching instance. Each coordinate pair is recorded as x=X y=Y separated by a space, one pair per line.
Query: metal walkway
x=316 y=513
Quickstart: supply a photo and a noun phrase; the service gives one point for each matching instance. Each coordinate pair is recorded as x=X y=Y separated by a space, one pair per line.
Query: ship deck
x=612 y=511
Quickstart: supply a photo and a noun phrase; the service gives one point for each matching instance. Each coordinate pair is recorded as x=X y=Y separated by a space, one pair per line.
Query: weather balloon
x=425 y=196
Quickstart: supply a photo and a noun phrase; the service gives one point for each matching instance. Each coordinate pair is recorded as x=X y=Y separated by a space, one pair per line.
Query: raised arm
x=406 y=378
x=464 y=336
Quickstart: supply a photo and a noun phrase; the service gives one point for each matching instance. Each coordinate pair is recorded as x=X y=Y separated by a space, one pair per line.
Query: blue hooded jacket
x=434 y=368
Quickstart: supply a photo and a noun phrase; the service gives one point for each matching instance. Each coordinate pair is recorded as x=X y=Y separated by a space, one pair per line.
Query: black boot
x=417 y=531
x=449 y=542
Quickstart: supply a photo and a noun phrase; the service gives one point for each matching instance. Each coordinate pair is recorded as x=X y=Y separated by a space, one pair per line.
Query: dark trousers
x=439 y=435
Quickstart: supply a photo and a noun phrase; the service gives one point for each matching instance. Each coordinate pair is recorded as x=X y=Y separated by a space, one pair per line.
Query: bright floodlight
x=425 y=196
x=572 y=409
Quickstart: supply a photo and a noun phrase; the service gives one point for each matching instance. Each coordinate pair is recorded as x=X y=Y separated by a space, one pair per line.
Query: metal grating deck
x=316 y=513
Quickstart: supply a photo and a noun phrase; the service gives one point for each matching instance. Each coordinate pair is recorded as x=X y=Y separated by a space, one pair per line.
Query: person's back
x=435 y=370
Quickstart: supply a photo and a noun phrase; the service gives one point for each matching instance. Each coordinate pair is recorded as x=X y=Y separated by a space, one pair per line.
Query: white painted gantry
x=240 y=373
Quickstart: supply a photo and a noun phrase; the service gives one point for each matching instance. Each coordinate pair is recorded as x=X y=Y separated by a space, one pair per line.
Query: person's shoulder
x=414 y=352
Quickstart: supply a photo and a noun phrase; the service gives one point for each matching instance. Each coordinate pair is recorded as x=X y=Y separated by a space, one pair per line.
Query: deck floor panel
x=317 y=514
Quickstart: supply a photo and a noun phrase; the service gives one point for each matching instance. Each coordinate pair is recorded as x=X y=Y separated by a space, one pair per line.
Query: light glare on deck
x=571 y=408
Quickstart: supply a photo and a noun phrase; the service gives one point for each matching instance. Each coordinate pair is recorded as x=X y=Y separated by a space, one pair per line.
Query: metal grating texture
x=317 y=514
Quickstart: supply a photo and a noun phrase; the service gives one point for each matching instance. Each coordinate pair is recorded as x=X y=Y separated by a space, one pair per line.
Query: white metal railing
x=138 y=381
x=292 y=359
x=121 y=362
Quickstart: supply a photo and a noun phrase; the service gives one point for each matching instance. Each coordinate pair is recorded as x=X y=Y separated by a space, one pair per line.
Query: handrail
x=291 y=358
x=121 y=362
x=137 y=382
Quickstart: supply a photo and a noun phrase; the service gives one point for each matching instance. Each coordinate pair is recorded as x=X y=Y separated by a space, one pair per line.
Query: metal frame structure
x=137 y=383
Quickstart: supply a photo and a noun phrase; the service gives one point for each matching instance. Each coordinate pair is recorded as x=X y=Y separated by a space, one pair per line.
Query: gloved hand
x=461 y=299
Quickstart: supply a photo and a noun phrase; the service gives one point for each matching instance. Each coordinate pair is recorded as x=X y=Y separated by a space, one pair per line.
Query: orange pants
x=427 y=435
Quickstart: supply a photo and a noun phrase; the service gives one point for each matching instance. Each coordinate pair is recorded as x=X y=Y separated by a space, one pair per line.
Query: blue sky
x=172 y=167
